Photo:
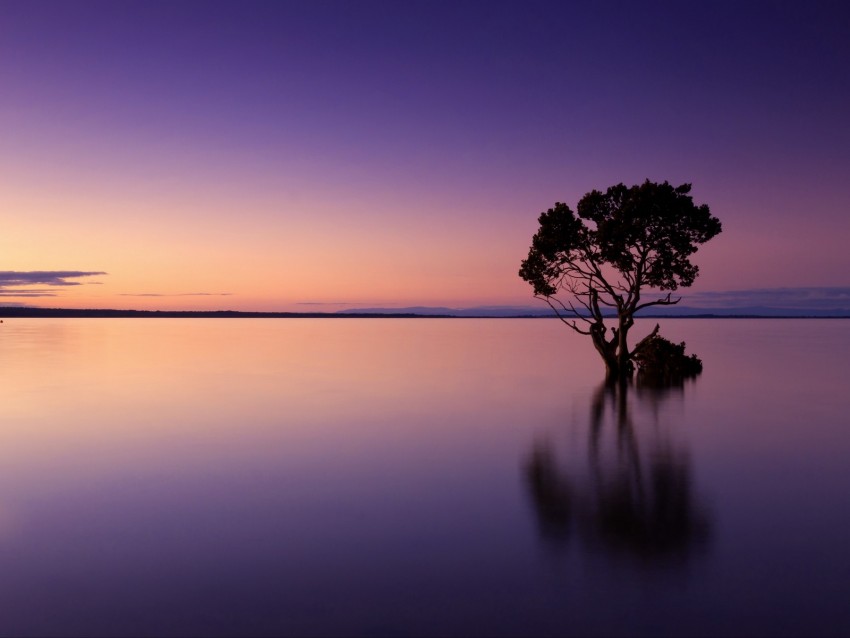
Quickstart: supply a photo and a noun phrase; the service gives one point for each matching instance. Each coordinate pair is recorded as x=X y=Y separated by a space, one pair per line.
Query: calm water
x=366 y=477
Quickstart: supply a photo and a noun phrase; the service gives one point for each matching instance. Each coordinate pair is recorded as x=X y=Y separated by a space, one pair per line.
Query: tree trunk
x=615 y=353
x=624 y=360
x=612 y=370
x=607 y=350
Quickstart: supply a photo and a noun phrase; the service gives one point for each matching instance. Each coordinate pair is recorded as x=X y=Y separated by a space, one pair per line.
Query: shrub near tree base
x=662 y=362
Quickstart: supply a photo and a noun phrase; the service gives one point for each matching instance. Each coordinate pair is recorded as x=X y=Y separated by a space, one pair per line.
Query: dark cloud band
x=792 y=298
x=31 y=284
x=58 y=278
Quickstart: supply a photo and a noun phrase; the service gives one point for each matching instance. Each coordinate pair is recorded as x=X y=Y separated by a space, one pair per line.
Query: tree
x=601 y=261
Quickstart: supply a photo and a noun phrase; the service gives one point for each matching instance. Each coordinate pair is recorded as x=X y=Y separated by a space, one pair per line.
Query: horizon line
x=34 y=312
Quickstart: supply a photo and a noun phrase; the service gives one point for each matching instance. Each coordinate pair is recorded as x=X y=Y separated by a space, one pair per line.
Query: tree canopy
x=601 y=258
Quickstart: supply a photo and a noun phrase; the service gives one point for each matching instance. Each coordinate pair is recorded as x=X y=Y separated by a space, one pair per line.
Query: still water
x=370 y=477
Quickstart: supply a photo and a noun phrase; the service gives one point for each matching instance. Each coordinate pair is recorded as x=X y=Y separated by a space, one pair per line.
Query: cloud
x=27 y=293
x=16 y=283
x=177 y=294
x=9 y=278
x=816 y=298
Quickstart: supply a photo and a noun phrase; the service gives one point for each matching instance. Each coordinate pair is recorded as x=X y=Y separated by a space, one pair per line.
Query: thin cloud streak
x=177 y=294
x=27 y=293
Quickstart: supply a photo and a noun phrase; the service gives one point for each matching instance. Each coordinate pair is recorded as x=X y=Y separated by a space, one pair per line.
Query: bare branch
x=665 y=301
x=645 y=341
x=597 y=273
x=572 y=309
x=572 y=324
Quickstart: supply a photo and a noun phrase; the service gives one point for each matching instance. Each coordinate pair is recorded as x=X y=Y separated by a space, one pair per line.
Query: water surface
x=366 y=477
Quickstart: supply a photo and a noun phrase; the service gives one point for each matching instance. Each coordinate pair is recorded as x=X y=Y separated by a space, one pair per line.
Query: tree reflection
x=632 y=494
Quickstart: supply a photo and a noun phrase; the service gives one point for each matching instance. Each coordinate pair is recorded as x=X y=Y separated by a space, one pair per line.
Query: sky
x=285 y=156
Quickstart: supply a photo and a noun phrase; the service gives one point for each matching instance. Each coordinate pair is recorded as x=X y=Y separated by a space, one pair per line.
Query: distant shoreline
x=68 y=313
x=11 y=312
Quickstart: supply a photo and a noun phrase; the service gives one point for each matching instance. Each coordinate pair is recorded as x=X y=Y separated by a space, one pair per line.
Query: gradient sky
x=318 y=155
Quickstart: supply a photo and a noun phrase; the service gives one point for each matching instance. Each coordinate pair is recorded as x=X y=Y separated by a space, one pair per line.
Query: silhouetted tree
x=622 y=242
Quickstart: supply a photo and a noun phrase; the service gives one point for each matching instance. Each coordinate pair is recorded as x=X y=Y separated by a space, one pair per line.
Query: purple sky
x=264 y=155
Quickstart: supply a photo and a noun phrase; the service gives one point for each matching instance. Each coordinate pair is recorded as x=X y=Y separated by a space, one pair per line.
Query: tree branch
x=666 y=301
x=597 y=272
x=572 y=324
x=643 y=342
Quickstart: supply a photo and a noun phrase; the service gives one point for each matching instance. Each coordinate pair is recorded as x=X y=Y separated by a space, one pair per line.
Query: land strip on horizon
x=9 y=312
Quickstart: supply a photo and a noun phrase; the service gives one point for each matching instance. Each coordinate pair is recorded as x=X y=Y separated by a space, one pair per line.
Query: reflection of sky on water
x=361 y=477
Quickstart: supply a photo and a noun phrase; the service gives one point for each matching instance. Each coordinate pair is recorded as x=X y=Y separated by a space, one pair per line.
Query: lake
x=419 y=477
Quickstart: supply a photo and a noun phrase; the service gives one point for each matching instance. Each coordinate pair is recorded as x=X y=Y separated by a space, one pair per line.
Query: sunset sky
x=325 y=155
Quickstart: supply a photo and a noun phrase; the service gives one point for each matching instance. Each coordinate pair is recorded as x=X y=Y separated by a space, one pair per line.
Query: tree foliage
x=600 y=259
